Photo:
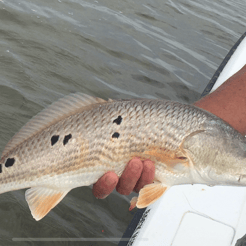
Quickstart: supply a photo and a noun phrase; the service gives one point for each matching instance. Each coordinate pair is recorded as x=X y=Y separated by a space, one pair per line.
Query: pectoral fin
x=41 y=200
x=150 y=193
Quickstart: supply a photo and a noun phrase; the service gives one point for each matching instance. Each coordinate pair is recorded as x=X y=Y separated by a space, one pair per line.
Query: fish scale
x=90 y=141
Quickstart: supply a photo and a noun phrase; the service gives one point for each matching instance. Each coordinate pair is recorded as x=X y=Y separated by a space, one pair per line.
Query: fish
x=76 y=140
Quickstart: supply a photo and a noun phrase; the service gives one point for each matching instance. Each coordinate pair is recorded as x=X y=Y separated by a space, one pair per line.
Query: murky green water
x=116 y=49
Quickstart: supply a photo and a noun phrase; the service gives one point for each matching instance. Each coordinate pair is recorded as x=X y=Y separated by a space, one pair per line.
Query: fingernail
x=103 y=197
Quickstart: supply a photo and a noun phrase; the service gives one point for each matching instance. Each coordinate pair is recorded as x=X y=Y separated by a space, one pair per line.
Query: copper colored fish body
x=76 y=140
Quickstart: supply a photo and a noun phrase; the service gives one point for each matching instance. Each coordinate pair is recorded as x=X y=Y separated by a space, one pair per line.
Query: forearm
x=229 y=101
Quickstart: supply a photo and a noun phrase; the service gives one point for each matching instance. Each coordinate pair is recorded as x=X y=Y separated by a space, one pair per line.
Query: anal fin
x=150 y=193
x=42 y=199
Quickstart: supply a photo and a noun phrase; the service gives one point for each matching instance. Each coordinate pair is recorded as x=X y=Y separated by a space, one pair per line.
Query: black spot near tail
x=10 y=162
x=118 y=120
x=54 y=139
x=1 y=168
x=66 y=139
x=116 y=135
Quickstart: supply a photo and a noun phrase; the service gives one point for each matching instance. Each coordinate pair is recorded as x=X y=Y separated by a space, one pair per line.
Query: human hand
x=136 y=175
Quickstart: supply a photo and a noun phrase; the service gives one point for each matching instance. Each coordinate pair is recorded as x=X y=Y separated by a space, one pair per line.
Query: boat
x=195 y=214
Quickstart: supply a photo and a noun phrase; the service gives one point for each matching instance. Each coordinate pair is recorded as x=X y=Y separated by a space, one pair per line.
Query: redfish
x=79 y=138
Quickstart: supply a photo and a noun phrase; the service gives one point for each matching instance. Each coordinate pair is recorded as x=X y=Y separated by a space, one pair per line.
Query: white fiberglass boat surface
x=191 y=215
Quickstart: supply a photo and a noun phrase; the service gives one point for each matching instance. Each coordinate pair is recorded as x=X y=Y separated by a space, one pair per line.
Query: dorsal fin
x=57 y=111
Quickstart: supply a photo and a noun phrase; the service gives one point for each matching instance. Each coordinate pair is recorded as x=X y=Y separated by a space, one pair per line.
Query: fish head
x=217 y=154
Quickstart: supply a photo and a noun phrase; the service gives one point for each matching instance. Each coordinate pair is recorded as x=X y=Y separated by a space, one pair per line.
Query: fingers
x=136 y=175
x=130 y=176
x=105 y=185
x=148 y=175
